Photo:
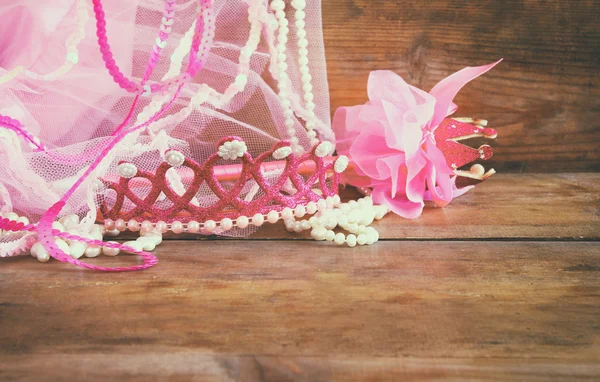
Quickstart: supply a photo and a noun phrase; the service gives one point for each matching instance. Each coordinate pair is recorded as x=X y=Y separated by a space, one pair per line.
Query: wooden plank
x=198 y=366
x=542 y=99
x=470 y=305
x=508 y=206
x=526 y=206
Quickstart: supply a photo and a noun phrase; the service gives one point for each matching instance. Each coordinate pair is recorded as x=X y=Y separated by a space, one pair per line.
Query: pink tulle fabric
x=391 y=141
x=64 y=130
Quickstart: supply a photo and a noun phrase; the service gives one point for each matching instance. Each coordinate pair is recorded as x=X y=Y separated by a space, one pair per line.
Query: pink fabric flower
x=390 y=141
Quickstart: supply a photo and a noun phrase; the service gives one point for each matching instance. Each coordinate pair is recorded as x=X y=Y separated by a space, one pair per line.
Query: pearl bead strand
x=69 y=226
x=300 y=15
x=354 y=217
x=282 y=77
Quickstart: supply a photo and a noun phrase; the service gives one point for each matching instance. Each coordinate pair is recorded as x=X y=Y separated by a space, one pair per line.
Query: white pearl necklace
x=303 y=60
x=280 y=74
x=77 y=249
x=354 y=217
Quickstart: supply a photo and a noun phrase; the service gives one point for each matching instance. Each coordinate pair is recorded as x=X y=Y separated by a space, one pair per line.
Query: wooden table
x=502 y=285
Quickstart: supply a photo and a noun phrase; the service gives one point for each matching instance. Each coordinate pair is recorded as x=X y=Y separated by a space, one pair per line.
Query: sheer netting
x=65 y=102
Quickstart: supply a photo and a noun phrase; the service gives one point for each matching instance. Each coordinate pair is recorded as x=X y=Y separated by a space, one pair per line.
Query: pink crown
x=448 y=136
x=301 y=179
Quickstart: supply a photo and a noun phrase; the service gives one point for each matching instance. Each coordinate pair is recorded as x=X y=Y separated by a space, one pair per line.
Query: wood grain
x=542 y=99
x=526 y=206
x=309 y=312
x=508 y=206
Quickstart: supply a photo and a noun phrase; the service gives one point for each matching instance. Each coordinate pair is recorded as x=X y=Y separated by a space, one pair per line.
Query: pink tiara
x=289 y=190
x=449 y=135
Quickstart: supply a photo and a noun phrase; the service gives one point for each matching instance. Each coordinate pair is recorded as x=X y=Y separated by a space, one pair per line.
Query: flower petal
x=399 y=205
x=387 y=85
x=398 y=172
x=415 y=184
x=445 y=91
x=368 y=148
x=346 y=127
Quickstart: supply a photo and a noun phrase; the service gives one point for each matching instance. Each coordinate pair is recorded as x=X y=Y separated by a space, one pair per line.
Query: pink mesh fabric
x=63 y=105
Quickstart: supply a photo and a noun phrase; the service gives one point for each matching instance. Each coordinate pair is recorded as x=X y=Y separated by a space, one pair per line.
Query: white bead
x=305 y=224
x=303 y=60
x=156 y=237
x=340 y=239
x=336 y=200
x=370 y=239
x=58 y=226
x=127 y=170
x=361 y=239
x=319 y=233
x=329 y=202
x=341 y=164
x=241 y=81
x=77 y=249
x=226 y=224
x=300 y=211
x=380 y=212
x=93 y=251
x=299 y=4
x=352 y=227
x=323 y=149
x=133 y=244
x=106 y=250
x=40 y=252
x=69 y=221
x=273 y=217
x=353 y=217
x=258 y=220
x=314 y=222
x=300 y=15
x=287 y=214
x=232 y=149
x=477 y=170
x=321 y=204
x=367 y=216
x=242 y=222
x=311 y=208
x=351 y=240
x=343 y=221
x=298 y=227
x=329 y=221
x=147 y=243
x=330 y=236
x=209 y=226
x=282 y=152
x=277 y=5
x=174 y=158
